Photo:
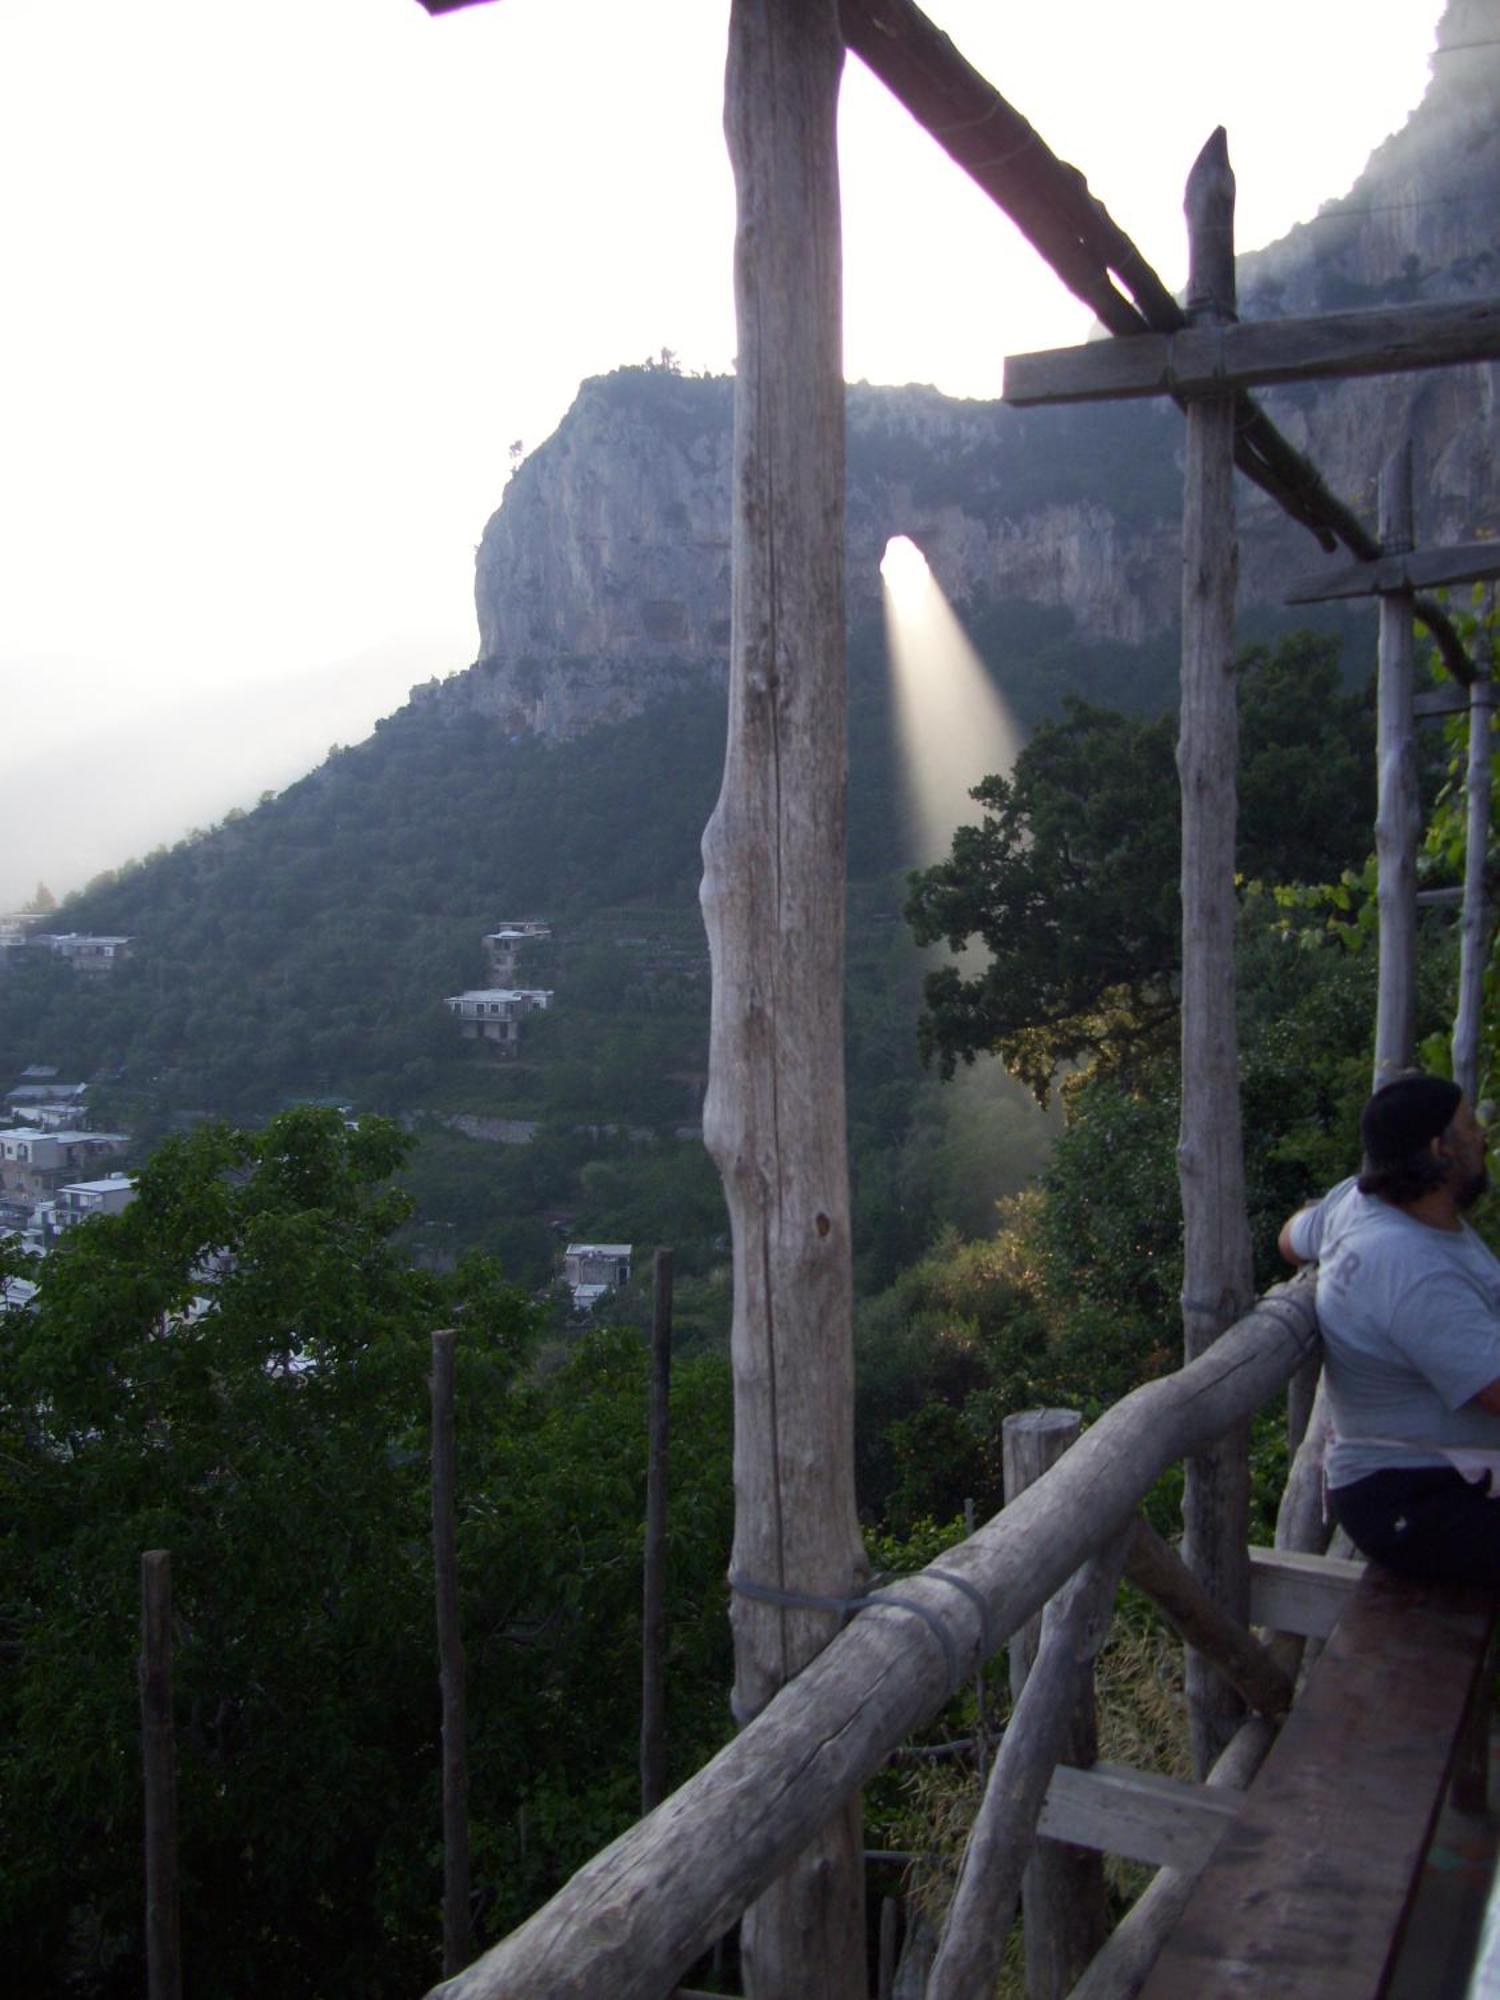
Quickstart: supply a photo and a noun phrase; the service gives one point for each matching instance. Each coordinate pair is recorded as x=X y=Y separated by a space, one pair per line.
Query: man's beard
x=1471 y=1188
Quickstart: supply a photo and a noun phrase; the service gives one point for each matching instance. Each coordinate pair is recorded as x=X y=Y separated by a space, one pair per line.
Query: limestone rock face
x=602 y=583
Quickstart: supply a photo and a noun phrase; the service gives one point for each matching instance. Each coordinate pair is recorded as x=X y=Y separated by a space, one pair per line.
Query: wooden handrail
x=636 y=1917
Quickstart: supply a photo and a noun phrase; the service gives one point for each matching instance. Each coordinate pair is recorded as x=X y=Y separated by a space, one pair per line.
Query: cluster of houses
x=55 y=1167
x=81 y=950
x=493 y=1014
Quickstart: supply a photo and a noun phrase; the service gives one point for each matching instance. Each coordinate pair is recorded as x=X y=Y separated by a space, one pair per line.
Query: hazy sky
x=284 y=280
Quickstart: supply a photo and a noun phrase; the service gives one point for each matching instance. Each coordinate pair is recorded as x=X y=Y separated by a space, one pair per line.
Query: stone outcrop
x=602 y=583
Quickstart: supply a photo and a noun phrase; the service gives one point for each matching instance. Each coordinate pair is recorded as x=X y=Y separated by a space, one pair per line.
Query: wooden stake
x=1074 y=1627
x=1474 y=925
x=1064 y=1899
x=773 y=902
x=457 y=1931
x=159 y=1757
x=1398 y=811
x=1217 y=1282
x=654 y=1585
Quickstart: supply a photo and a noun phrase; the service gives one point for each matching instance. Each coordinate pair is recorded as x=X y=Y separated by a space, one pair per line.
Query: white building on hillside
x=79 y=1200
x=592 y=1270
x=495 y=1013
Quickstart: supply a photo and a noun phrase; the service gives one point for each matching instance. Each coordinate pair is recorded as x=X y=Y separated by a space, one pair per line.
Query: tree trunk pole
x=1064 y=1905
x=159 y=1757
x=457 y=1934
x=654 y=1585
x=1217 y=1284
x=1474 y=925
x=1398 y=811
x=773 y=902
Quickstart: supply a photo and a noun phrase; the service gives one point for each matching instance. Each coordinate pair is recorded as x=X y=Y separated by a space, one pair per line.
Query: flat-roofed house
x=502 y=945
x=494 y=1013
x=34 y=1163
x=76 y=1201
x=591 y=1270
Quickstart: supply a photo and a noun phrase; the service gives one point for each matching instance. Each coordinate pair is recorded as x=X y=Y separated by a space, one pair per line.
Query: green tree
x=234 y=1369
x=1070 y=880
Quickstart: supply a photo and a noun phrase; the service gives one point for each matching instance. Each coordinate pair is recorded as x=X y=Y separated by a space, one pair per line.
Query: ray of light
x=953 y=726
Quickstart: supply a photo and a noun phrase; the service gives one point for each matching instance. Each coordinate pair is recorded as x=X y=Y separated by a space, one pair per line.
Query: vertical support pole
x=457 y=1936
x=1217 y=1279
x=1474 y=924
x=159 y=1758
x=1064 y=1903
x=773 y=904
x=654 y=1584
x=1398 y=808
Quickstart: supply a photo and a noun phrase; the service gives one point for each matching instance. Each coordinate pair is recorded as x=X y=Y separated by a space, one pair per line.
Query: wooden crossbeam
x=1138 y=1815
x=1300 y=1593
x=1203 y=361
x=1417 y=569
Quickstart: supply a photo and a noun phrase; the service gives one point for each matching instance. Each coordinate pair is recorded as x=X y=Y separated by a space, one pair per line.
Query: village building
x=494 y=1013
x=592 y=1270
x=502 y=946
x=34 y=1164
x=76 y=1201
x=84 y=952
x=26 y=1097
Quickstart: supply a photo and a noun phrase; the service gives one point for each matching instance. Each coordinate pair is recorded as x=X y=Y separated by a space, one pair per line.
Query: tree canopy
x=1069 y=882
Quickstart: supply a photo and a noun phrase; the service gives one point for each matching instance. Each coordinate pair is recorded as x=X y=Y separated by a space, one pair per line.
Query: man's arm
x=1284 y=1243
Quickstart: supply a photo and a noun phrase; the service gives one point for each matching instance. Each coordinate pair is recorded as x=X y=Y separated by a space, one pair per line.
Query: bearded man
x=1409 y=1307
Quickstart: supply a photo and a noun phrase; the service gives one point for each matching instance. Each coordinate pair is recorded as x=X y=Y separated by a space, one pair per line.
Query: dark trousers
x=1431 y=1522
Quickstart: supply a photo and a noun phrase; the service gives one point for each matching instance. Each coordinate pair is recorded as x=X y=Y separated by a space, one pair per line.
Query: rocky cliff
x=603 y=580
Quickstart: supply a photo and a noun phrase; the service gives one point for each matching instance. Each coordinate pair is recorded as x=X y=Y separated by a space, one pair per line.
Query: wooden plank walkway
x=1307 y=1893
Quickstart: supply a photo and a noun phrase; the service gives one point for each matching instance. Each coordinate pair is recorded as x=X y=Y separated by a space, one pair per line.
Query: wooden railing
x=636 y=1918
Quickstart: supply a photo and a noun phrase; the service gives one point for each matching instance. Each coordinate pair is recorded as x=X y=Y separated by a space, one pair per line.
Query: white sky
x=285 y=278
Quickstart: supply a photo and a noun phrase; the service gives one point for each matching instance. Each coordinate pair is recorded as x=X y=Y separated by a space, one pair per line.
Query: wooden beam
x=1419 y=569
x=1398 y=818
x=1138 y=1815
x=773 y=897
x=1117 y=1972
x=1154 y=1566
x=1202 y=361
x=1217 y=1280
x=1306 y=1594
x=1433 y=703
x=636 y=1917
x=1474 y=926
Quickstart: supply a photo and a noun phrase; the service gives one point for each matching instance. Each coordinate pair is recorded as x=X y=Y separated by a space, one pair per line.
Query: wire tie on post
x=877 y=1599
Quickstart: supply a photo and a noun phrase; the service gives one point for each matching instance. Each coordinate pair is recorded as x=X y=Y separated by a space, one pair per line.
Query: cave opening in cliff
x=953 y=726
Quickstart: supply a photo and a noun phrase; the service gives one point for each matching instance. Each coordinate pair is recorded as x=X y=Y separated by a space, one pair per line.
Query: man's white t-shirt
x=1410 y=1317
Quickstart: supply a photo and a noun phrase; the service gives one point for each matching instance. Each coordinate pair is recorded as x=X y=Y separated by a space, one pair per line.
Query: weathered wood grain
x=1001 y=1840
x=1156 y=1568
x=457 y=1935
x=637 y=1916
x=1063 y=1897
x=1385 y=340
x=1305 y=1894
x=1121 y=1967
x=1217 y=1285
x=773 y=904
x=1398 y=809
x=1138 y=1815
x=1416 y=569
x=653 y=1758
x=1293 y=1591
x=1474 y=923
x=159 y=1760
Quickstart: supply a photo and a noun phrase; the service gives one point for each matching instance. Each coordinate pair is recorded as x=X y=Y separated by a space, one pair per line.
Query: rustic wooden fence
x=636 y=1918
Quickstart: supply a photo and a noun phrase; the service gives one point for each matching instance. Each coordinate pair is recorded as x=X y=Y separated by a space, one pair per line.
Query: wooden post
x=457 y=1935
x=1074 y=1626
x=1217 y=1280
x=654 y=1584
x=159 y=1757
x=1474 y=924
x=1064 y=1901
x=773 y=903
x=1398 y=809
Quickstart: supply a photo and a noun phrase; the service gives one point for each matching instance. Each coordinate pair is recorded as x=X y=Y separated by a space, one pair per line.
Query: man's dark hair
x=1398 y=1126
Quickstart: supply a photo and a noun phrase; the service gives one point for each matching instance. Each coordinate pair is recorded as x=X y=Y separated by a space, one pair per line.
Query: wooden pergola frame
x=773 y=898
